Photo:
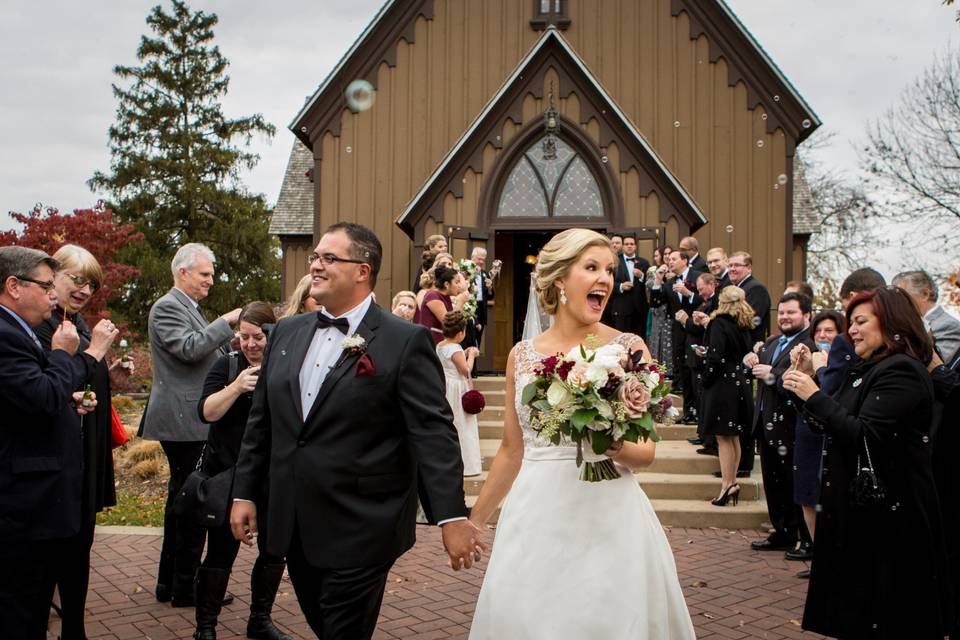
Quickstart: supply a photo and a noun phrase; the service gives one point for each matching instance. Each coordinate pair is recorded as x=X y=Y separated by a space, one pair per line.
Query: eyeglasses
x=328 y=259
x=81 y=282
x=47 y=285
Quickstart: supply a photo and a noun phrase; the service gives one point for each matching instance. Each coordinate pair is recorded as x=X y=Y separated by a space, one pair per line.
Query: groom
x=349 y=409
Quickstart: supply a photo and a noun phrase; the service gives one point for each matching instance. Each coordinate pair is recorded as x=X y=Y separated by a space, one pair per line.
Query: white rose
x=574 y=355
x=578 y=376
x=558 y=395
x=651 y=379
x=597 y=374
x=604 y=408
x=610 y=356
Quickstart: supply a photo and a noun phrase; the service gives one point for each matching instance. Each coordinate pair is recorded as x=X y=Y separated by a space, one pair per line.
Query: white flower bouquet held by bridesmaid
x=598 y=398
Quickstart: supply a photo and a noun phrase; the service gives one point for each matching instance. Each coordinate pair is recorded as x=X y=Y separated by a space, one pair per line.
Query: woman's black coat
x=727 y=404
x=880 y=573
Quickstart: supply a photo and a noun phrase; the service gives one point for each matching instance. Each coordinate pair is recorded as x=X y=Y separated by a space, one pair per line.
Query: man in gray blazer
x=944 y=327
x=183 y=347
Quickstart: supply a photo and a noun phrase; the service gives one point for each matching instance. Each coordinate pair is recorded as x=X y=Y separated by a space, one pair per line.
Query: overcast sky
x=849 y=59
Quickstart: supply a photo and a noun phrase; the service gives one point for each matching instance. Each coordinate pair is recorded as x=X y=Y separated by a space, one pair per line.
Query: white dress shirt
x=325 y=349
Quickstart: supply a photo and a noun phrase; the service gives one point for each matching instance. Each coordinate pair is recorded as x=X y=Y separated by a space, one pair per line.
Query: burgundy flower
x=473 y=401
x=564 y=369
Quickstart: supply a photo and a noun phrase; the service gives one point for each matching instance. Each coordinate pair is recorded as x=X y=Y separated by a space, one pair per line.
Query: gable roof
x=805 y=220
x=293 y=214
x=553 y=49
x=728 y=38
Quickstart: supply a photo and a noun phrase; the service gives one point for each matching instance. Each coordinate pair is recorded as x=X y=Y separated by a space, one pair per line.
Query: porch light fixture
x=531 y=259
x=551 y=127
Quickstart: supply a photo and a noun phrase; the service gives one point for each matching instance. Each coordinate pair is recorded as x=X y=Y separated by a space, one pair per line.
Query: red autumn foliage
x=93 y=229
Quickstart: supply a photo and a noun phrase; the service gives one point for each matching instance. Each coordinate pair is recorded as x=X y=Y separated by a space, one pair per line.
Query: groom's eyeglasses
x=327 y=259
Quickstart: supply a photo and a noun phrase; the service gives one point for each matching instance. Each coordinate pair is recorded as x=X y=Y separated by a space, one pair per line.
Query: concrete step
x=679 y=456
x=700 y=514
x=489 y=383
x=692 y=486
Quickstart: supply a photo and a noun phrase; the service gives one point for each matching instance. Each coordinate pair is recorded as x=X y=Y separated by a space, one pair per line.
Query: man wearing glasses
x=183 y=347
x=40 y=445
x=348 y=414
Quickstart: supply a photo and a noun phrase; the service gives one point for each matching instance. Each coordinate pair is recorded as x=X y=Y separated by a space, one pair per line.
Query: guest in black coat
x=79 y=277
x=41 y=452
x=945 y=438
x=740 y=266
x=690 y=245
x=695 y=326
x=774 y=423
x=878 y=571
x=727 y=396
x=225 y=404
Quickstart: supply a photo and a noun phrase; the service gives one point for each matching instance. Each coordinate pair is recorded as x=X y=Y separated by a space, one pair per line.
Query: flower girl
x=457 y=365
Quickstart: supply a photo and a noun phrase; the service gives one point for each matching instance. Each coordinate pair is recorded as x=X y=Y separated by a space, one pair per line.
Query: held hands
x=462 y=542
x=800 y=384
x=800 y=358
x=461 y=299
x=78 y=401
x=751 y=360
x=700 y=318
x=66 y=338
x=761 y=371
x=681 y=316
x=101 y=338
x=659 y=274
x=638 y=274
x=232 y=317
x=246 y=380
x=243 y=522
x=819 y=359
x=472 y=350
x=681 y=288
x=626 y=286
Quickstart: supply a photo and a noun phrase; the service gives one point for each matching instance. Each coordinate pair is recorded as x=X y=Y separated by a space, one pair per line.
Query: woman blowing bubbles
x=879 y=568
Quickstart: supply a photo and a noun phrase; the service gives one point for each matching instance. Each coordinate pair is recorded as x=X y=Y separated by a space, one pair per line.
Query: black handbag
x=866 y=490
x=205 y=498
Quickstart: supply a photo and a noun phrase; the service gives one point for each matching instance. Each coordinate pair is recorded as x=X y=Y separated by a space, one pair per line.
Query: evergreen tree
x=175 y=167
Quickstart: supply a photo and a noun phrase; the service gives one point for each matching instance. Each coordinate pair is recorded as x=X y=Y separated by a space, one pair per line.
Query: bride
x=573 y=559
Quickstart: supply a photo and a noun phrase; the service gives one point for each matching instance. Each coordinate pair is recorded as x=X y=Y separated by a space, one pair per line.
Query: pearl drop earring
x=563 y=297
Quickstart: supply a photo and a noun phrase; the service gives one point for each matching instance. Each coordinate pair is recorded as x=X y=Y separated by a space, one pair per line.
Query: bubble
x=776 y=98
x=676 y=123
x=782 y=450
x=757 y=321
x=359 y=95
x=769 y=379
x=893 y=507
x=349 y=149
x=759 y=144
x=782 y=178
x=847 y=356
x=776 y=187
x=729 y=228
x=818 y=508
x=763 y=116
x=604 y=159
x=769 y=426
x=303 y=129
x=925 y=439
x=896 y=337
x=806 y=123
x=779 y=260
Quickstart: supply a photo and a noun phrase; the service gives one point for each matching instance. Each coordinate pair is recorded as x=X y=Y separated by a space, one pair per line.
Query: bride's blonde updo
x=557 y=257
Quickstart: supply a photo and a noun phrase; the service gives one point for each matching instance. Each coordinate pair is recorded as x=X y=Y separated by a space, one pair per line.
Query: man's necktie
x=325 y=322
x=780 y=345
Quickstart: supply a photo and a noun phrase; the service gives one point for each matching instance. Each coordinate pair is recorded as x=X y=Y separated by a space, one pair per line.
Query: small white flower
x=604 y=408
x=651 y=380
x=355 y=341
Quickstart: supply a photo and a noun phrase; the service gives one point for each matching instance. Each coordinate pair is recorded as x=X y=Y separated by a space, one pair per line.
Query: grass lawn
x=135 y=510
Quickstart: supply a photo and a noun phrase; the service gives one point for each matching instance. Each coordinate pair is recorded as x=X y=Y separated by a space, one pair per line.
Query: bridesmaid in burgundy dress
x=449 y=293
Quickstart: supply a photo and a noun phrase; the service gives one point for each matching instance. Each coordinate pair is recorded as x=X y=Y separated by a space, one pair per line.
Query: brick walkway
x=732 y=592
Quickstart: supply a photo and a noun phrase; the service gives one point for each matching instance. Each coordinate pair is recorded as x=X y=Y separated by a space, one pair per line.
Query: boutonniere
x=353 y=344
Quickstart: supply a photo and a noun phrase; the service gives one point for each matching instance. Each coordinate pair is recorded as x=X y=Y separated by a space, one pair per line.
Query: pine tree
x=175 y=167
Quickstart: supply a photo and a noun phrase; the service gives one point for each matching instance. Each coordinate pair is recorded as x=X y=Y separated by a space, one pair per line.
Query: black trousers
x=785 y=515
x=747 y=450
x=26 y=589
x=339 y=604
x=182 y=540
x=73 y=579
x=222 y=547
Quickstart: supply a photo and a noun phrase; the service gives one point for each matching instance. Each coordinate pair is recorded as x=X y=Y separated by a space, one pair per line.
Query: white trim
x=343 y=61
x=551 y=32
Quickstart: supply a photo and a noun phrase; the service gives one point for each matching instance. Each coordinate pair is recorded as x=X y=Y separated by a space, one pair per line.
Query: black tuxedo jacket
x=699 y=264
x=772 y=406
x=628 y=307
x=347 y=476
x=759 y=300
x=666 y=296
x=40 y=445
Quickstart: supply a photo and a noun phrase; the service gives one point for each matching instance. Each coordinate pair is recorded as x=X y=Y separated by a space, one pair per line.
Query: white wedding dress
x=575 y=560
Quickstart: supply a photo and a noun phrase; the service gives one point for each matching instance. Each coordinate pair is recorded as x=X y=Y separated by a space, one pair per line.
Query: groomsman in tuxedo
x=678 y=291
x=40 y=445
x=717 y=264
x=347 y=413
x=740 y=266
x=629 y=300
x=616 y=241
x=183 y=347
x=692 y=247
x=775 y=419
x=944 y=327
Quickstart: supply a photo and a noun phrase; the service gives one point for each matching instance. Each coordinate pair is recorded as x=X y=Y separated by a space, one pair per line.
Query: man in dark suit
x=40 y=444
x=775 y=419
x=183 y=347
x=628 y=302
x=679 y=293
x=483 y=286
x=695 y=325
x=717 y=264
x=348 y=411
x=740 y=266
x=692 y=247
x=616 y=241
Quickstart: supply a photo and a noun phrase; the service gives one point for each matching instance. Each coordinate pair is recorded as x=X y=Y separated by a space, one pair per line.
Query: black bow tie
x=325 y=322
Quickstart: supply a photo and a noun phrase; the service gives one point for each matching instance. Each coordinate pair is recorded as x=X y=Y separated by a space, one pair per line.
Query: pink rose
x=635 y=396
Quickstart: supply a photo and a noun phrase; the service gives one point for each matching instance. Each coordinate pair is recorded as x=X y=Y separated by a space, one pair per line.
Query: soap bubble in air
x=359 y=95
x=782 y=178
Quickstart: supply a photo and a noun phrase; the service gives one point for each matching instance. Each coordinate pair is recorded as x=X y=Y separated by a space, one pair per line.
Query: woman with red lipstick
x=592 y=555
x=879 y=565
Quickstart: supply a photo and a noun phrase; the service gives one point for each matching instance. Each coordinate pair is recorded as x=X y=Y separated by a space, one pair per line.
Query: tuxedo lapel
x=346 y=362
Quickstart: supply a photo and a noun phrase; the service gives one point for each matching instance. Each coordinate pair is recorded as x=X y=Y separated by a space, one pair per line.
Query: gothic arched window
x=541 y=186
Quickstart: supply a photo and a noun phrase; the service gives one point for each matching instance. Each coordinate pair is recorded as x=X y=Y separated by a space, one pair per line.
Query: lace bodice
x=525 y=359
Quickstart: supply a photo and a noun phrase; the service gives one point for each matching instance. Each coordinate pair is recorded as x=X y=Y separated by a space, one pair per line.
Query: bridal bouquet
x=469 y=270
x=595 y=397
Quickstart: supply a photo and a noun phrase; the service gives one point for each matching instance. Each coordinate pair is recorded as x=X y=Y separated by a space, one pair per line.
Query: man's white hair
x=477 y=251
x=187 y=255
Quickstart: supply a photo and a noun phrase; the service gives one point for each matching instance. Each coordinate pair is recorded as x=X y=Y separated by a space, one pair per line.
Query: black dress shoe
x=803 y=552
x=697 y=441
x=708 y=451
x=740 y=474
x=163 y=593
x=771 y=545
x=805 y=574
